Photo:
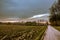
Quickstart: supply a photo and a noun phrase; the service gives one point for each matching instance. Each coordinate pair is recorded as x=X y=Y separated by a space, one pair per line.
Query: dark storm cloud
x=23 y=8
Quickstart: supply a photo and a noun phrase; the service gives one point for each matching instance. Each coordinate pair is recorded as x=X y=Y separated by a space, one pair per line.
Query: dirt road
x=52 y=34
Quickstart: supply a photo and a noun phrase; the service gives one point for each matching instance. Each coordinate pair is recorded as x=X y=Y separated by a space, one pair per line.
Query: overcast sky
x=24 y=8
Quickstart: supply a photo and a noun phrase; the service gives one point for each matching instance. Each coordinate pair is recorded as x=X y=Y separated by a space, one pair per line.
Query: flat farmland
x=17 y=32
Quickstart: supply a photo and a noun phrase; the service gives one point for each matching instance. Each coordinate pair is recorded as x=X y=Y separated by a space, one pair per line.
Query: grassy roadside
x=40 y=37
x=57 y=27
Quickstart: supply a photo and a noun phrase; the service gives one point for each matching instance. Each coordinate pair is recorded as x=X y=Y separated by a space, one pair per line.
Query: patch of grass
x=57 y=27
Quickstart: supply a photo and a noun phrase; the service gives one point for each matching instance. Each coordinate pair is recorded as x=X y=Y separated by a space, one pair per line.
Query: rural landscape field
x=29 y=19
x=20 y=32
x=17 y=32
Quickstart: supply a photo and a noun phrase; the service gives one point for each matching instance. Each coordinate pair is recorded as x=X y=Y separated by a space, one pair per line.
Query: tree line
x=25 y=24
x=55 y=13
